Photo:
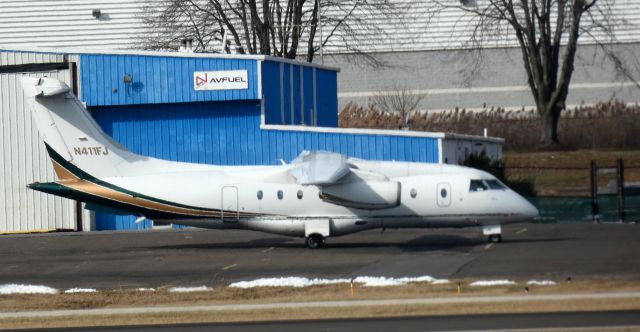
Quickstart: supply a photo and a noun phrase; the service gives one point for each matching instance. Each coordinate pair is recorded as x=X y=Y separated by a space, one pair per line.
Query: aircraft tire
x=495 y=238
x=314 y=241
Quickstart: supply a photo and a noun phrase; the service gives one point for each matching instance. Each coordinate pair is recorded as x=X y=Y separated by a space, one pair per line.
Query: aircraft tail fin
x=75 y=142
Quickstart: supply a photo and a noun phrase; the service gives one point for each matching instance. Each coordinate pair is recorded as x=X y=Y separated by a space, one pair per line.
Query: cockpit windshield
x=478 y=185
x=485 y=184
x=495 y=184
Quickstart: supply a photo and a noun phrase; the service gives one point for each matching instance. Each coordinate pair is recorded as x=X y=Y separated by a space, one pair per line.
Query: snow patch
x=299 y=282
x=26 y=289
x=382 y=281
x=492 y=283
x=296 y=282
x=541 y=282
x=80 y=290
x=189 y=289
x=142 y=289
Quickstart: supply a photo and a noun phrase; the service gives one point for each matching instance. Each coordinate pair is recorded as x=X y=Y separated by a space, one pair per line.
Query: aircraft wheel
x=314 y=241
x=495 y=238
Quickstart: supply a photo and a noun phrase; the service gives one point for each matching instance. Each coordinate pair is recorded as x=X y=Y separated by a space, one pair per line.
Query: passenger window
x=495 y=184
x=413 y=193
x=280 y=194
x=478 y=185
x=299 y=194
x=259 y=194
x=443 y=193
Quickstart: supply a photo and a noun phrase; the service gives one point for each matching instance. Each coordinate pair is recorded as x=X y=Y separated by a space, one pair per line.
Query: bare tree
x=401 y=101
x=547 y=33
x=282 y=28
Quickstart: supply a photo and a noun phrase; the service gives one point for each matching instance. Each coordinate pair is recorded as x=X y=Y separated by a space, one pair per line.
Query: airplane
x=317 y=195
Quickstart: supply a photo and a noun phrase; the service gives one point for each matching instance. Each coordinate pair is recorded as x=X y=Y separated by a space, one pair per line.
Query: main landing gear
x=494 y=238
x=315 y=241
x=493 y=233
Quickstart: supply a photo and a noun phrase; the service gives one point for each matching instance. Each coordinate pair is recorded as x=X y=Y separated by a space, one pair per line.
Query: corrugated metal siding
x=157 y=79
x=228 y=133
x=307 y=95
x=299 y=95
x=9 y=58
x=24 y=161
x=327 y=98
x=420 y=25
x=69 y=23
x=271 y=89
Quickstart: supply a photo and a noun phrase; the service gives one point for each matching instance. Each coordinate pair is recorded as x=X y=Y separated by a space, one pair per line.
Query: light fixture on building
x=127 y=79
x=96 y=13
x=186 y=45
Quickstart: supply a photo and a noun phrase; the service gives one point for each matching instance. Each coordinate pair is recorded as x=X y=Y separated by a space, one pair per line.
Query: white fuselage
x=256 y=190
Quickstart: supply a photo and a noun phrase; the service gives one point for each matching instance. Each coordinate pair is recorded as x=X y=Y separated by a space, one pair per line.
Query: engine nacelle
x=369 y=195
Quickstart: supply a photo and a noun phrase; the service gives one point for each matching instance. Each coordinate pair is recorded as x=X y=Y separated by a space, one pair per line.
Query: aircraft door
x=444 y=194
x=229 y=204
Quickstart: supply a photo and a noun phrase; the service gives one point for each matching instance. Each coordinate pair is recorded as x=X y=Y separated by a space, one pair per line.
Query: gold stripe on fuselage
x=70 y=180
x=111 y=194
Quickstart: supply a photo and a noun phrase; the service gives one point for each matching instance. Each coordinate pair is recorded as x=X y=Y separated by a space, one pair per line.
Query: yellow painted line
x=488 y=246
x=521 y=231
x=267 y=250
x=229 y=267
x=29 y=231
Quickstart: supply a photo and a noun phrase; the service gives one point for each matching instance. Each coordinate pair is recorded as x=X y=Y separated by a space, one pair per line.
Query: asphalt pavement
x=510 y=322
x=194 y=257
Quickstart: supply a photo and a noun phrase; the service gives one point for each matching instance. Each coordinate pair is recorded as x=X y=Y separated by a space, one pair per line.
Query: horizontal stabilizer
x=50 y=88
x=106 y=209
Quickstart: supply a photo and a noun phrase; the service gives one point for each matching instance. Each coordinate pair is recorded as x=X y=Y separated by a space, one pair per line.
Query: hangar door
x=24 y=159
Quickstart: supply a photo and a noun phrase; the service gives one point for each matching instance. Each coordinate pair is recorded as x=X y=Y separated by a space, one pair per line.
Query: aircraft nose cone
x=530 y=211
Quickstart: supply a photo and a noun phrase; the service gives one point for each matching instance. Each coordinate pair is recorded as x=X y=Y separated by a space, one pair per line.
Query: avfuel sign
x=220 y=80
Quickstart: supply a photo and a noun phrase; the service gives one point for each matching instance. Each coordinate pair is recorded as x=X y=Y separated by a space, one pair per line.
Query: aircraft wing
x=342 y=183
x=319 y=167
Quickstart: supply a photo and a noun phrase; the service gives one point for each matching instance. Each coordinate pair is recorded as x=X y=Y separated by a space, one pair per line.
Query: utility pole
x=595 y=209
x=621 y=214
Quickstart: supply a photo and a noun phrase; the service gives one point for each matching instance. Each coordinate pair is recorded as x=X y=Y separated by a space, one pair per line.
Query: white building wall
x=422 y=25
x=419 y=26
x=70 y=23
x=456 y=149
x=24 y=158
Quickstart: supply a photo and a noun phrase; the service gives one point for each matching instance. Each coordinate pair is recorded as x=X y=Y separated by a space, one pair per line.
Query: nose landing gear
x=493 y=233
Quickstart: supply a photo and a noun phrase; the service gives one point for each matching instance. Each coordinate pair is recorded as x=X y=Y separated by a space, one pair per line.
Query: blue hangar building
x=227 y=110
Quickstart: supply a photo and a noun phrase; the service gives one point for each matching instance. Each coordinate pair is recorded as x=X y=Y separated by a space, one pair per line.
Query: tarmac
x=538 y=322
x=192 y=257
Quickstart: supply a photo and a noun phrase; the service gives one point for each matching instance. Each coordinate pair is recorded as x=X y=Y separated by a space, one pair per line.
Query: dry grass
x=567 y=173
x=324 y=313
x=226 y=295
x=611 y=124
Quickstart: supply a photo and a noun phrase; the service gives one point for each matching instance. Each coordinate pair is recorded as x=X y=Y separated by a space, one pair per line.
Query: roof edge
x=54 y=50
x=391 y=132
